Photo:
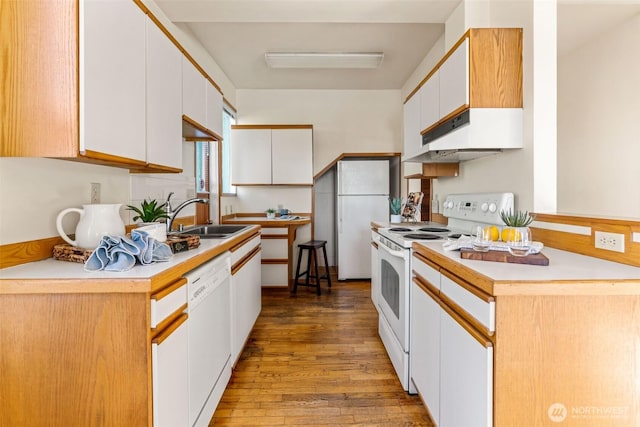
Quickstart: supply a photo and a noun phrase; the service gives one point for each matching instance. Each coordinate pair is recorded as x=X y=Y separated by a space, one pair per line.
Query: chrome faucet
x=173 y=213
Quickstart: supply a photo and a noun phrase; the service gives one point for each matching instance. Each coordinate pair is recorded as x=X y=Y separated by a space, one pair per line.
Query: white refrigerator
x=363 y=196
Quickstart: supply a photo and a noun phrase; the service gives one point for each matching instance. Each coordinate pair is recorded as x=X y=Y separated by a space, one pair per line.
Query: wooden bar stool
x=311 y=247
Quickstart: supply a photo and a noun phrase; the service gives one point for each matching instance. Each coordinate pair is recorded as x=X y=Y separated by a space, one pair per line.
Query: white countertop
x=563 y=265
x=52 y=269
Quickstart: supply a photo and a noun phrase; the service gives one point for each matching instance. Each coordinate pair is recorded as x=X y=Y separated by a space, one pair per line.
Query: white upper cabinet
x=430 y=102
x=194 y=88
x=164 y=99
x=412 y=138
x=261 y=155
x=112 y=79
x=213 y=109
x=292 y=156
x=250 y=156
x=454 y=80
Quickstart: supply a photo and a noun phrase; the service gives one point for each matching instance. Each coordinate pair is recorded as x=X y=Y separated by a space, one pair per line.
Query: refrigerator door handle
x=340 y=217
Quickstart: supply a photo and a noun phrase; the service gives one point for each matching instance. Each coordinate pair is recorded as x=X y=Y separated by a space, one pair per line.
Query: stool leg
x=308 y=267
x=295 y=281
x=326 y=265
x=315 y=262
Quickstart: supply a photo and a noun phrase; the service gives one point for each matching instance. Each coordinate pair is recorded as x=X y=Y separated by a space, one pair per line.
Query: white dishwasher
x=209 y=337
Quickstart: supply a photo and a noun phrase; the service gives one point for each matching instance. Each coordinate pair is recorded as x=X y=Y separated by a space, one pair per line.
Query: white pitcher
x=95 y=221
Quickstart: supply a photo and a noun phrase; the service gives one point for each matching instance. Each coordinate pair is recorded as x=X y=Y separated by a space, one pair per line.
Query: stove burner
x=419 y=236
x=399 y=229
x=434 y=229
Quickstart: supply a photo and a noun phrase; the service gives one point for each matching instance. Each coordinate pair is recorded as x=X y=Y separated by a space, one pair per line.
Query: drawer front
x=479 y=306
x=268 y=231
x=427 y=272
x=274 y=249
x=164 y=303
x=244 y=249
x=274 y=275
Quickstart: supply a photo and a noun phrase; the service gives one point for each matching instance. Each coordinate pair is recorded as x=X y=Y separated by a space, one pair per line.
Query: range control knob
x=448 y=204
x=484 y=207
x=493 y=207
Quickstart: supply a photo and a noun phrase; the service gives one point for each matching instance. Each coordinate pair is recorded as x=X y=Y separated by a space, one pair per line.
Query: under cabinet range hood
x=474 y=133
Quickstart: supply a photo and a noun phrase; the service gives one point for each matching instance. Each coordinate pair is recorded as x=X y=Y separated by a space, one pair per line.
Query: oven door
x=394 y=291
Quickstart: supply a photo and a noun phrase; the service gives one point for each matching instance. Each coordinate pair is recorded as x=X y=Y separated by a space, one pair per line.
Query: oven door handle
x=397 y=254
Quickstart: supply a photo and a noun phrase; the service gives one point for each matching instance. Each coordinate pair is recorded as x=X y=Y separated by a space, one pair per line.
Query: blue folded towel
x=120 y=253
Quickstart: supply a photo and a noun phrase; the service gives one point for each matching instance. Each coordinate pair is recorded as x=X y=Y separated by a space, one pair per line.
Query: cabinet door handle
x=166 y=333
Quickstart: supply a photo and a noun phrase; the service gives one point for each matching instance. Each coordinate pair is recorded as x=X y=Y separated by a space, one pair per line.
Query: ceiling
x=237 y=33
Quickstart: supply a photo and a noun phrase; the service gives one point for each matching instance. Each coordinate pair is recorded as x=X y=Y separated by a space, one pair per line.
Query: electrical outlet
x=610 y=241
x=95 y=192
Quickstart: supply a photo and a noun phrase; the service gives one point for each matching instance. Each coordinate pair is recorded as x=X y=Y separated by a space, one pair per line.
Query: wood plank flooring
x=317 y=361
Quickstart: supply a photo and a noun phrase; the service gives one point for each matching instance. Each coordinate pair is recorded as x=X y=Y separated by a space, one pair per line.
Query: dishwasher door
x=209 y=330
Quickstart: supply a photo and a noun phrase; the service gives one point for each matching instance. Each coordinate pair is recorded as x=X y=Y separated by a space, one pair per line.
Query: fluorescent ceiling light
x=323 y=59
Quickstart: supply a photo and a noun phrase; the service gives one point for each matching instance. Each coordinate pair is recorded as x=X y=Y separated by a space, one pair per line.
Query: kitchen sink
x=215 y=231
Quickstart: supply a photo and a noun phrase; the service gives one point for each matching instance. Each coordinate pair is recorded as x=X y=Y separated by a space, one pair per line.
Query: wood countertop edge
x=121 y=285
x=532 y=287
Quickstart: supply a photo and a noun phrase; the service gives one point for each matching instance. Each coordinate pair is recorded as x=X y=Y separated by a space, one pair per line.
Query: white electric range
x=464 y=212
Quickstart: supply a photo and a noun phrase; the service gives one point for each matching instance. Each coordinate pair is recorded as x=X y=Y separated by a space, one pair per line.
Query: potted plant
x=516 y=222
x=271 y=213
x=149 y=211
x=395 y=203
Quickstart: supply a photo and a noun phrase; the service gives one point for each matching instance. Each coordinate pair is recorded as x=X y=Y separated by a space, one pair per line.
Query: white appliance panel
x=363 y=177
x=355 y=214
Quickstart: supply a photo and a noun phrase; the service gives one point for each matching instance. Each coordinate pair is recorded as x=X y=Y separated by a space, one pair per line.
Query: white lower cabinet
x=451 y=361
x=466 y=376
x=171 y=376
x=246 y=295
x=424 y=354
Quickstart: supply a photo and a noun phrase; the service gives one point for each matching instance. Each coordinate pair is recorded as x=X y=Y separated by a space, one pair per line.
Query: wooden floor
x=317 y=361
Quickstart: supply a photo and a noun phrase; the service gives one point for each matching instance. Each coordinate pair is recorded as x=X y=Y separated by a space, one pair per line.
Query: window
x=228 y=119
x=202 y=167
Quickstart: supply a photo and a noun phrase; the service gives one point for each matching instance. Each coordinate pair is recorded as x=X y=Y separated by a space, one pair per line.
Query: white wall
x=343 y=121
x=33 y=191
x=599 y=125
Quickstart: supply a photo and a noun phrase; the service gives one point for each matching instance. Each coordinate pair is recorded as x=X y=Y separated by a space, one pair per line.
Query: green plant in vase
x=149 y=211
x=271 y=213
x=514 y=220
x=395 y=203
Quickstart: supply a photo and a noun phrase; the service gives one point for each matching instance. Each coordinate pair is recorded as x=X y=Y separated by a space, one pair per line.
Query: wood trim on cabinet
x=168 y=320
x=244 y=241
x=225 y=101
x=351 y=155
x=275 y=236
x=299 y=126
x=14 y=254
x=468 y=286
x=486 y=342
x=166 y=333
x=275 y=261
x=248 y=257
x=446 y=118
x=469 y=324
x=194 y=131
x=374 y=244
x=426 y=260
x=168 y=289
x=585 y=244
x=426 y=286
x=177 y=44
x=111 y=160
